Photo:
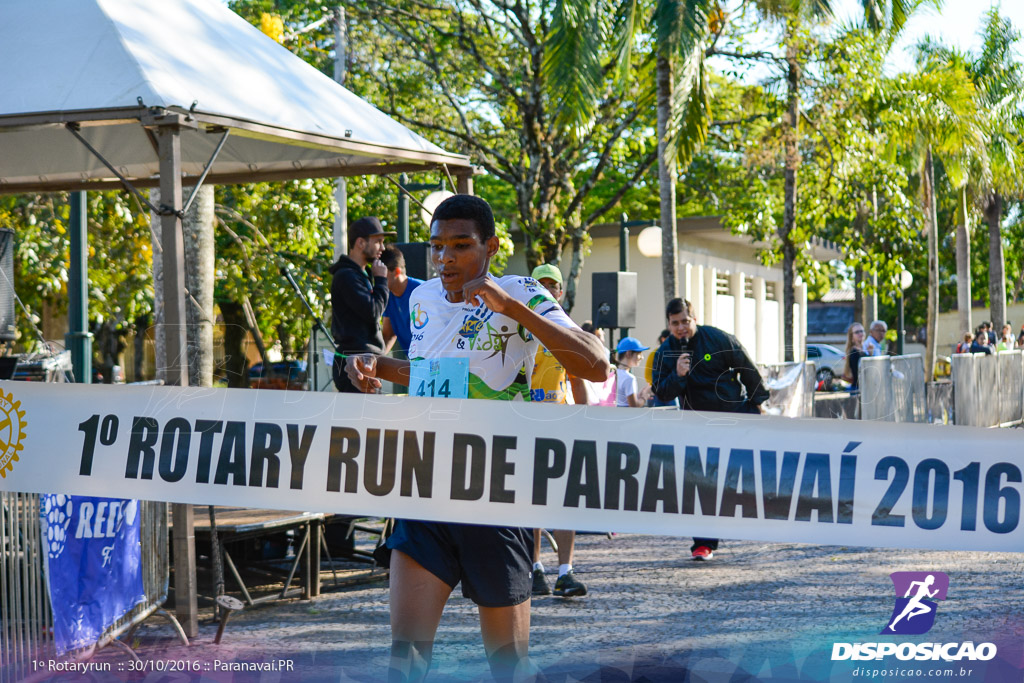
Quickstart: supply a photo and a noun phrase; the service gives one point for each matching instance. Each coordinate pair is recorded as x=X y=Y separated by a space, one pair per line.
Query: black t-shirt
x=854 y=359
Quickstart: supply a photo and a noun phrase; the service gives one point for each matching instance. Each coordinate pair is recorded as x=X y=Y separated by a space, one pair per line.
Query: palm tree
x=999 y=80
x=682 y=29
x=992 y=172
x=969 y=172
x=888 y=16
x=682 y=86
x=932 y=112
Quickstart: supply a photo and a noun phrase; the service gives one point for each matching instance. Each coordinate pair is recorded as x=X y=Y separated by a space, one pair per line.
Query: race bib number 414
x=440 y=377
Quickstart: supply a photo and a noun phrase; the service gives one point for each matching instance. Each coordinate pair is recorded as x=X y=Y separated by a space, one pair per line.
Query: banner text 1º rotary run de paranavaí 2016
x=835 y=482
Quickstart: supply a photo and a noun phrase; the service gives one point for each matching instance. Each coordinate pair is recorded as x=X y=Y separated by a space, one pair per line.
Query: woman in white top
x=629 y=354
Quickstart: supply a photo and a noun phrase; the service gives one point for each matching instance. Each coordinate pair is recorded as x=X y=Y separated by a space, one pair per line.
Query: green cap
x=547 y=271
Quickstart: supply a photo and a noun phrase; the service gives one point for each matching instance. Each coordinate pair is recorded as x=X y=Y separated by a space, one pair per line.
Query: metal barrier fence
x=26 y=622
x=1011 y=386
x=892 y=389
x=840 y=405
x=989 y=389
x=909 y=391
x=985 y=391
x=876 y=394
x=940 y=403
x=790 y=387
x=26 y=618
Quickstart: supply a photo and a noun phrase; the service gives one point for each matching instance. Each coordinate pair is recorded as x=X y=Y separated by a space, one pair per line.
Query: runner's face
x=552 y=286
x=458 y=254
x=682 y=325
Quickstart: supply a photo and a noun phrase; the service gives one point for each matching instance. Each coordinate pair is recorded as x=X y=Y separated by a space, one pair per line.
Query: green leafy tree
x=120 y=286
x=933 y=113
x=261 y=228
x=858 y=195
x=471 y=76
x=681 y=85
x=999 y=80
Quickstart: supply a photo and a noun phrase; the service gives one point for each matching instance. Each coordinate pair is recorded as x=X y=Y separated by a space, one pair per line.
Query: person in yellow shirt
x=550 y=384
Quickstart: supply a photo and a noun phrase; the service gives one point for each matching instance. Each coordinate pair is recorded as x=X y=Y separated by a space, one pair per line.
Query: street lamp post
x=624 y=225
x=906 y=279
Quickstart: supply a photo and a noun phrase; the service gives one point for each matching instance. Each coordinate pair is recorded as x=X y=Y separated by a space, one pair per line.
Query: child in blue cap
x=629 y=354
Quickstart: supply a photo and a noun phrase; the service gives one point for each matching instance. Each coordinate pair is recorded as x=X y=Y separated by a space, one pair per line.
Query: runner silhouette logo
x=916 y=595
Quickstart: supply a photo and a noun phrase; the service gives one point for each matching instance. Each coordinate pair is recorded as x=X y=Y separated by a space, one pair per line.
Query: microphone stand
x=302 y=297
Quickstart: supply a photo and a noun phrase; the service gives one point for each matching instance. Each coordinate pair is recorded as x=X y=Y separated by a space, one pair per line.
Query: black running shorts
x=493 y=563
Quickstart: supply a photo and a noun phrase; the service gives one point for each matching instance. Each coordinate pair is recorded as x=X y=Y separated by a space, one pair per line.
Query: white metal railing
x=989 y=389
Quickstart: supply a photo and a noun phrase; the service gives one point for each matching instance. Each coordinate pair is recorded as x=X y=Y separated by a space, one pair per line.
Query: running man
x=482 y=335
x=551 y=384
x=915 y=607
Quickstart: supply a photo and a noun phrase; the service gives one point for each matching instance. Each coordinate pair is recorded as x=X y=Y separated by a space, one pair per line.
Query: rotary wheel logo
x=12 y=432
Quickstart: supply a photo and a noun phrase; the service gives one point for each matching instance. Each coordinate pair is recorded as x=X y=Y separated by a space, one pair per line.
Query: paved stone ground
x=758 y=611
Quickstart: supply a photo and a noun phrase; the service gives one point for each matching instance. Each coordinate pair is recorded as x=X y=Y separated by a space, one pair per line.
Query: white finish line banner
x=834 y=482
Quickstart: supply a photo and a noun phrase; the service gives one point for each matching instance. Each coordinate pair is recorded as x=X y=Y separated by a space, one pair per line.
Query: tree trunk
x=869 y=310
x=931 y=226
x=792 y=132
x=197 y=227
x=963 y=267
x=863 y=306
x=996 y=264
x=667 y=183
x=871 y=299
x=236 y=327
x=858 y=296
x=141 y=328
x=575 y=269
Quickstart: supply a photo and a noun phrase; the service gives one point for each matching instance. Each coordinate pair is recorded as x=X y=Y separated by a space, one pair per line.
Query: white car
x=828 y=362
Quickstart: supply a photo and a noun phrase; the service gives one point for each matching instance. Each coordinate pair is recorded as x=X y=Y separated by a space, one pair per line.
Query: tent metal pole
x=73 y=129
x=341 y=185
x=403 y=209
x=206 y=171
x=168 y=135
x=78 y=339
x=173 y=244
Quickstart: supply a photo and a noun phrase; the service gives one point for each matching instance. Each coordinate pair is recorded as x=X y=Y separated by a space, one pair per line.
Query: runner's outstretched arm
x=579 y=352
x=367 y=370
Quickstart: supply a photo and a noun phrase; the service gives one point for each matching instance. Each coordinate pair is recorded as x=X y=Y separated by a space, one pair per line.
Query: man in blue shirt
x=397 y=324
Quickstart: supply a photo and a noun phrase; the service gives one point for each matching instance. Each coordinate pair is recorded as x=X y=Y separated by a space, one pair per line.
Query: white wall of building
x=949 y=324
x=705 y=267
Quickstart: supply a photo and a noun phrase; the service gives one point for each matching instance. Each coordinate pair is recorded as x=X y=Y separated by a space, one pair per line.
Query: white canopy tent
x=120 y=68
x=104 y=93
x=100 y=94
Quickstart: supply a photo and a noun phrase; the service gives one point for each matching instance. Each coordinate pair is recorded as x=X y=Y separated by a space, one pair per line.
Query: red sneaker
x=702 y=552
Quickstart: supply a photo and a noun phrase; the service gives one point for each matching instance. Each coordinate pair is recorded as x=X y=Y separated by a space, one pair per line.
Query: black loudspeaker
x=614 y=299
x=8 y=328
x=417 y=259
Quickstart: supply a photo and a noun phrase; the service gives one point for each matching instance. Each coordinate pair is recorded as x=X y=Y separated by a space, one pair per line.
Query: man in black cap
x=358 y=300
